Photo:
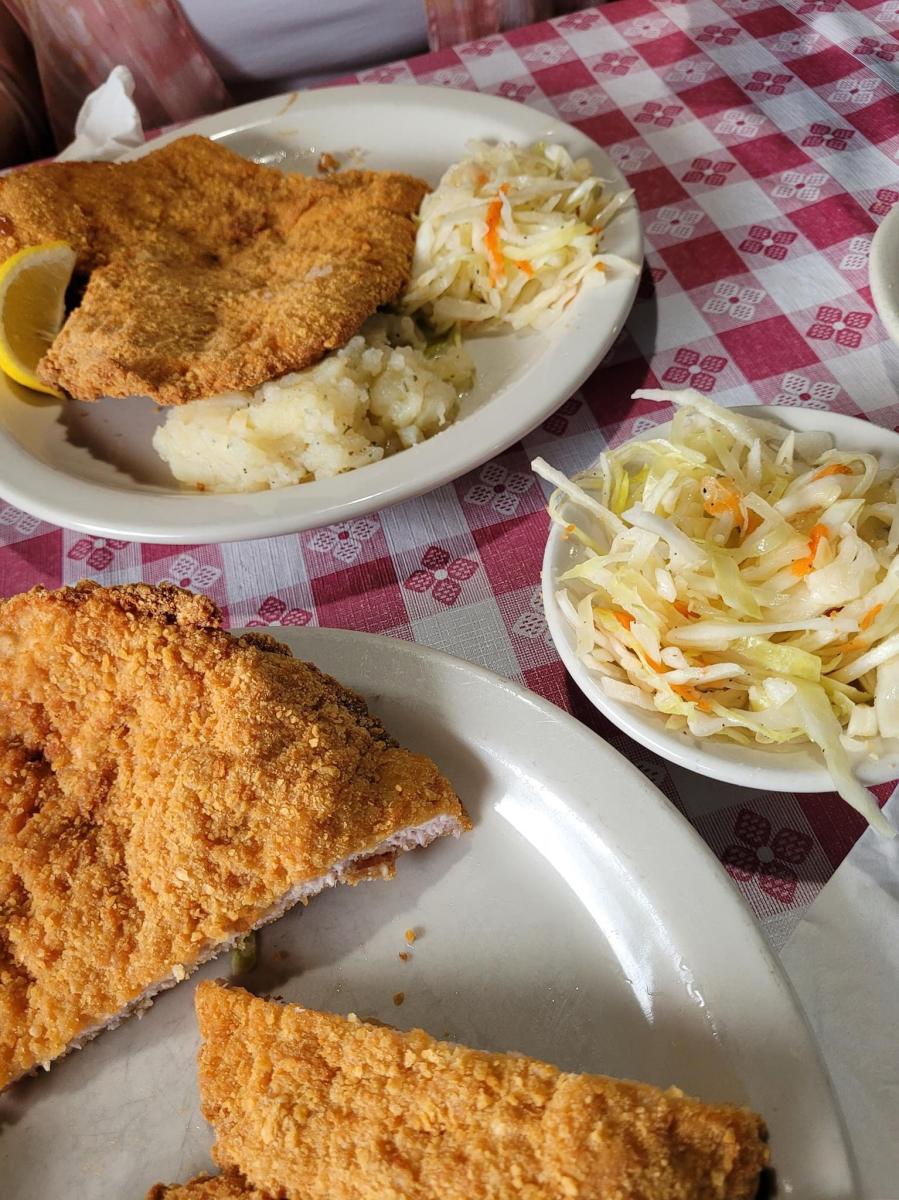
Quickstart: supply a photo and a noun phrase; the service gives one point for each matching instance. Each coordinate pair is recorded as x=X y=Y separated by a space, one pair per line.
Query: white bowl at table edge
x=883 y=272
x=796 y=770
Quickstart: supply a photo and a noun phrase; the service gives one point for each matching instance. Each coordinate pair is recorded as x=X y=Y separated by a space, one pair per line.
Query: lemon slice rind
x=33 y=284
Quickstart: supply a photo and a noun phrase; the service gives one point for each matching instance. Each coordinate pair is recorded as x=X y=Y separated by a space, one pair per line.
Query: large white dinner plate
x=582 y=921
x=92 y=466
x=790 y=769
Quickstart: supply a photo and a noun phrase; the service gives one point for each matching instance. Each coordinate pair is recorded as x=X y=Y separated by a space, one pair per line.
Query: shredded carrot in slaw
x=869 y=617
x=525 y=266
x=833 y=469
x=623 y=618
x=491 y=242
x=802 y=566
x=721 y=496
x=686 y=692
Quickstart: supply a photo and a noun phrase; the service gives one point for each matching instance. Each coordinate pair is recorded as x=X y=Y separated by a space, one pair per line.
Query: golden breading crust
x=207 y=1187
x=191 y=189
x=209 y=272
x=163 y=787
x=310 y=1106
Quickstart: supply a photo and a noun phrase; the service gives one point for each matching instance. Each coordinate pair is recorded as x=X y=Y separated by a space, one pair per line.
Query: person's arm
x=24 y=130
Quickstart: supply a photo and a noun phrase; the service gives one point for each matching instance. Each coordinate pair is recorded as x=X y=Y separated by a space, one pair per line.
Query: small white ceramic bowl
x=797 y=769
x=883 y=272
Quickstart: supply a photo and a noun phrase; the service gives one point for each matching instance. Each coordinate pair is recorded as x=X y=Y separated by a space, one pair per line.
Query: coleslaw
x=741 y=580
x=509 y=237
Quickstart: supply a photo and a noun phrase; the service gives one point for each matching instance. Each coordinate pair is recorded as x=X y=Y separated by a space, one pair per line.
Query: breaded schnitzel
x=206 y=272
x=165 y=787
x=311 y=1106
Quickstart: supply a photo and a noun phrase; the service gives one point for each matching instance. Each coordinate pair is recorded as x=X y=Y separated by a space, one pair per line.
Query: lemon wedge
x=32 y=308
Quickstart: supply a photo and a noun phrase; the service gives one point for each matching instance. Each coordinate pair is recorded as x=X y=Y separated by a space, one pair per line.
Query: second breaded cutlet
x=310 y=1106
x=206 y=272
x=165 y=787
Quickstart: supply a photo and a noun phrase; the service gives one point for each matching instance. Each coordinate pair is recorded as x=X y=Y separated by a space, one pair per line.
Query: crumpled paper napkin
x=108 y=124
x=843 y=962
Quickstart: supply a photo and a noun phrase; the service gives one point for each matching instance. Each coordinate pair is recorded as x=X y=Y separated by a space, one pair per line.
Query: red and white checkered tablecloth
x=762 y=141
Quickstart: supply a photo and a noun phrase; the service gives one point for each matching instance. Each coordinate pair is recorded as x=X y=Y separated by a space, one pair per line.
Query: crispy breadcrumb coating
x=209 y=273
x=311 y=1106
x=207 y=1187
x=165 y=787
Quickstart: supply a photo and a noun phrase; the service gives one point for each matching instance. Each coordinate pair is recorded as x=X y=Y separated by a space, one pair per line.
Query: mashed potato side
x=384 y=391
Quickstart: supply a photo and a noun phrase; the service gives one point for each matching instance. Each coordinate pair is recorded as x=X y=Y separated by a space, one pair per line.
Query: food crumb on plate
x=410 y=936
x=399 y=998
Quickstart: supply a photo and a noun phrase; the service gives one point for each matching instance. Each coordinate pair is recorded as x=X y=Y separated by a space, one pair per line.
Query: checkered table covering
x=762 y=141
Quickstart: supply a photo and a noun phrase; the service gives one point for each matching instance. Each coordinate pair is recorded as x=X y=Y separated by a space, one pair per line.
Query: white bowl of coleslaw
x=791 y=765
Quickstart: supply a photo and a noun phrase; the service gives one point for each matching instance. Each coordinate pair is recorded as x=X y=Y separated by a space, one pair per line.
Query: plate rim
x=884 y=281
x=109 y=510
x=748 y=936
x=754 y=772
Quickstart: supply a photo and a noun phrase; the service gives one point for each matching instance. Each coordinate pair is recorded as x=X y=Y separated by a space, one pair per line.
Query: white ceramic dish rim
x=883 y=272
x=172 y=517
x=751 y=767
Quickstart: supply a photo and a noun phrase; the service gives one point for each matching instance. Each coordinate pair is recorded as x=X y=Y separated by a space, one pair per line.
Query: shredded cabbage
x=509 y=236
x=742 y=580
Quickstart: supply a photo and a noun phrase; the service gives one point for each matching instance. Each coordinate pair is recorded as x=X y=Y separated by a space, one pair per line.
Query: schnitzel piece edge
x=307 y=1105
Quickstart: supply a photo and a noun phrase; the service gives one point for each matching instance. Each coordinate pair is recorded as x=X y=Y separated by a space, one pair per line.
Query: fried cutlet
x=208 y=273
x=310 y=1106
x=165 y=787
x=192 y=190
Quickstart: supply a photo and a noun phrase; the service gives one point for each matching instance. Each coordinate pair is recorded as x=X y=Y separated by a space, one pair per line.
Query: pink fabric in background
x=77 y=44
x=453 y=21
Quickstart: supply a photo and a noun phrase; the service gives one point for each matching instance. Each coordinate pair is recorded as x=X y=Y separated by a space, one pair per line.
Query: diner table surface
x=761 y=139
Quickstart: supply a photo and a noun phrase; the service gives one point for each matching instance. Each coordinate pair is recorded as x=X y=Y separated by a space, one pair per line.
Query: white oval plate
x=883 y=272
x=582 y=921
x=92 y=467
x=773 y=769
